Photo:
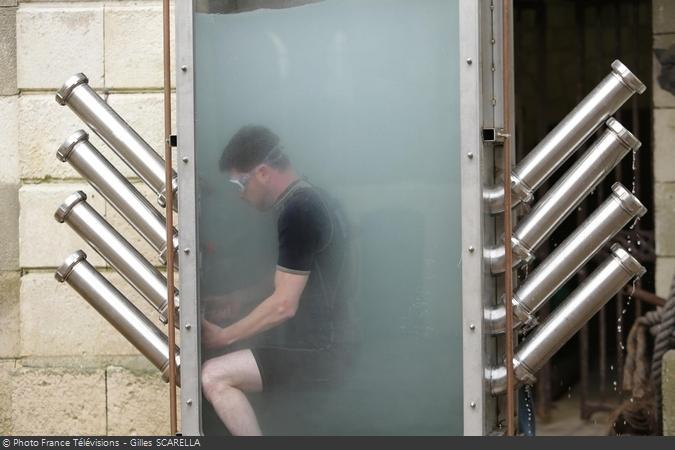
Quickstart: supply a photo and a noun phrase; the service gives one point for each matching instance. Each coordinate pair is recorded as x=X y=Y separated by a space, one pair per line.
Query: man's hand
x=212 y=335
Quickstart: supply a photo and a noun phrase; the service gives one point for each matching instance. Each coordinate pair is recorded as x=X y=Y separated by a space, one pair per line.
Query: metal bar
x=647 y=297
x=117 y=310
x=116 y=189
x=608 y=279
x=508 y=273
x=566 y=137
x=169 y=177
x=117 y=251
x=115 y=132
x=559 y=201
x=570 y=256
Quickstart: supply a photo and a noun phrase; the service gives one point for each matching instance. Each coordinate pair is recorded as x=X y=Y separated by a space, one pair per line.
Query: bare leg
x=224 y=381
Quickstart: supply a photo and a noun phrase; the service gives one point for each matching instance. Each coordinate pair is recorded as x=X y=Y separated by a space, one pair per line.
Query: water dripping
x=634 y=168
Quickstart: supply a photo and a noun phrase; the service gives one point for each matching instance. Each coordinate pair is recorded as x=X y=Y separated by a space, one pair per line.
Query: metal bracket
x=173 y=140
x=493 y=135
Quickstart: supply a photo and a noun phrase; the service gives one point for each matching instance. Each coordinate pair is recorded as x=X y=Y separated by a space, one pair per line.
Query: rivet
x=183 y=68
x=472 y=404
x=469 y=61
x=472 y=326
x=186 y=251
x=185 y=159
x=469 y=155
x=471 y=249
x=188 y=402
x=188 y=326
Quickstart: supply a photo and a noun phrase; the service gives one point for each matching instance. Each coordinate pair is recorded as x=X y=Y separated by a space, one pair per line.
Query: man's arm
x=274 y=310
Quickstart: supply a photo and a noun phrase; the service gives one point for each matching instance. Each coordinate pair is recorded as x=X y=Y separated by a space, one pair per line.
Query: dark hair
x=249 y=147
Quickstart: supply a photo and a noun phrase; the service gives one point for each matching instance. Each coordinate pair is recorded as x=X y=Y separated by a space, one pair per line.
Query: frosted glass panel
x=363 y=95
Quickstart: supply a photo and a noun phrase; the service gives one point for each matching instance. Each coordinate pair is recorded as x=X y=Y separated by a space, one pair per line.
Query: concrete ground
x=565 y=420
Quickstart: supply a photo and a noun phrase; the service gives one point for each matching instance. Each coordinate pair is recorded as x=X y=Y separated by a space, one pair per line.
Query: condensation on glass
x=364 y=96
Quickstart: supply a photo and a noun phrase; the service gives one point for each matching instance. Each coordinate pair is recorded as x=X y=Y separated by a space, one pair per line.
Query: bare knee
x=213 y=379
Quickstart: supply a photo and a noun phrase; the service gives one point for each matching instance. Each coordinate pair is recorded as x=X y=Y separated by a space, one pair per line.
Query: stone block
x=668 y=393
x=57 y=321
x=662 y=97
x=58 y=401
x=8 y=2
x=9 y=314
x=137 y=403
x=6 y=370
x=44 y=242
x=44 y=125
x=9 y=140
x=664 y=218
x=8 y=51
x=54 y=41
x=9 y=224
x=664 y=136
x=134 y=46
x=665 y=271
x=663 y=16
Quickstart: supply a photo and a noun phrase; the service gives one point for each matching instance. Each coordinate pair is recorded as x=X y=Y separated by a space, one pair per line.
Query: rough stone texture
x=134 y=46
x=137 y=402
x=664 y=136
x=668 y=392
x=8 y=2
x=665 y=270
x=9 y=314
x=44 y=125
x=662 y=98
x=9 y=169
x=43 y=241
x=8 y=51
x=664 y=217
x=6 y=369
x=58 y=402
x=9 y=224
x=663 y=16
x=57 y=321
x=55 y=41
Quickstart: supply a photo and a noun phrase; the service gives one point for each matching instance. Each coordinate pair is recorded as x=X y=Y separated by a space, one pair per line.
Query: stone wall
x=63 y=369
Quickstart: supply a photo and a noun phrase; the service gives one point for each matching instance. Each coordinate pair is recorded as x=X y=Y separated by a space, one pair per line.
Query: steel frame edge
x=472 y=217
x=190 y=393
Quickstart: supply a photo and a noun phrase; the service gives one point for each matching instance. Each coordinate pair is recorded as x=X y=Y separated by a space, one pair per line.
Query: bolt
x=188 y=326
x=472 y=404
x=186 y=251
x=469 y=61
x=185 y=159
x=469 y=155
x=188 y=402
x=183 y=68
x=471 y=249
x=472 y=326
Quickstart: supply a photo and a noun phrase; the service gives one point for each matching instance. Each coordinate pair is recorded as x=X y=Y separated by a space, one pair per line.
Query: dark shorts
x=296 y=369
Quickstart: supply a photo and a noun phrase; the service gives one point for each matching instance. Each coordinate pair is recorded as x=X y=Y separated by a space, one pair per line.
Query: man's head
x=255 y=162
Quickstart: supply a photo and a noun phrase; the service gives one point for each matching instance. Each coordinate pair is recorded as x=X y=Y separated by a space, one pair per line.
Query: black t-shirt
x=312 y=240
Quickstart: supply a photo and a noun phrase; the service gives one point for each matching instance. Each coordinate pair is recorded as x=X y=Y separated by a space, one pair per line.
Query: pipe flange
x=629 y=202
x=520 y=189
x=625 y=136
x=165 y=369
x=161 y=197
x=64 y=270
x=68 y=204
x=627 y=261
x=522 y=372
x=520 y=311
x=71 y=83
x=627 y=77
x=521 y=251
x=162 y=252
x=63 y=153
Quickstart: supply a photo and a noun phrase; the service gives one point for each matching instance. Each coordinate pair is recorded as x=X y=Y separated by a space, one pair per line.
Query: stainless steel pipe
x=566 y=137
x=116 y=250
x=566 y=195
x=615 y=212
x=116 y=189
x=116 y=133
x=117 y=310
x=605 y=282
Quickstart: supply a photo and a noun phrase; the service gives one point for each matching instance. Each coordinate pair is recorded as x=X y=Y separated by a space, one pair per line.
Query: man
x=305 y=306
